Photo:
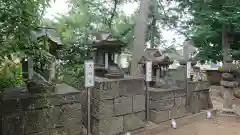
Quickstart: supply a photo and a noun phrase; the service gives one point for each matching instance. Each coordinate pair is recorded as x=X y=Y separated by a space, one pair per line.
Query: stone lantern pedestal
x=222 y=98
x=228 y=84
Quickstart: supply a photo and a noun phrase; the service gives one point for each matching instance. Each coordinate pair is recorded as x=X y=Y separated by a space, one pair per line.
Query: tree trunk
x=139 y=36
x=225 y=43
x=154 y=21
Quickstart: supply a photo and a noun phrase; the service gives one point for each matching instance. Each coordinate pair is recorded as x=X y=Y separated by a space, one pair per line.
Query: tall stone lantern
x=228 y=83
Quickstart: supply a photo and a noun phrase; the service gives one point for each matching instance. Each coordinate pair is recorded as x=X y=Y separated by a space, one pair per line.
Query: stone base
x=117 y=125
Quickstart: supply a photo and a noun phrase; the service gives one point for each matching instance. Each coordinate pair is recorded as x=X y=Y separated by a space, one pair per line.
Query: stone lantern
x=160 y=64
x=106 y=46
x=229 y=83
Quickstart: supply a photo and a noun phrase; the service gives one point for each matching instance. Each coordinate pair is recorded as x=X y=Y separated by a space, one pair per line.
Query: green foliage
x=10 y=75
x=206 y=26
x=17 y=19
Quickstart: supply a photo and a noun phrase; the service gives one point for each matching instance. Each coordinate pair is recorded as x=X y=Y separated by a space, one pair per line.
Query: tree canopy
x=210 y=19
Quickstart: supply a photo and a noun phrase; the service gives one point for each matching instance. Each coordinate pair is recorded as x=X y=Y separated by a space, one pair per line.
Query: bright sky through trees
x=60 y=7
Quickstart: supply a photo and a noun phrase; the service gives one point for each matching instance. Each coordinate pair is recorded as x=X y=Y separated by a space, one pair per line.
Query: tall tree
x=17 y=20
x=212 y=21
x=139 y=36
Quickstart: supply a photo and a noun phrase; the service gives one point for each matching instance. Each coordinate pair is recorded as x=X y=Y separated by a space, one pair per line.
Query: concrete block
x=102 y=109
x=161 y=104
x=123 y=105
x=109 y=126
x=131 y=87
x=138 y=103
x=133 y=121
x=159 y=116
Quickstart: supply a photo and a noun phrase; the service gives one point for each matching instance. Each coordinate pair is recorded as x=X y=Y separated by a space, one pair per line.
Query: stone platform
x=118 y=105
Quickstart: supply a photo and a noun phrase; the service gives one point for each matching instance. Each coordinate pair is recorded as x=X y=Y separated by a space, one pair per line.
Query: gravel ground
x=217 y=126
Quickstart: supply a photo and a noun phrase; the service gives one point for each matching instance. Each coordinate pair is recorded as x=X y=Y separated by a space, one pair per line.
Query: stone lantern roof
x=157 y=58
x=105 y=40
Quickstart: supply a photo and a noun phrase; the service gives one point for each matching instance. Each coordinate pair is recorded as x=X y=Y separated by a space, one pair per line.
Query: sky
x=60 y=7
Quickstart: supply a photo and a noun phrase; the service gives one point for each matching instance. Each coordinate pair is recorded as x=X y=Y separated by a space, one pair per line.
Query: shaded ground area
x=216 y=126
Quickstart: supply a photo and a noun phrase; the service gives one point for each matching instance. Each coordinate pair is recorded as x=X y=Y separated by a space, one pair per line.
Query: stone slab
x=71 y=114
x=138 y=103
x=178 y=112
x=133 y=121
x=158 y=94
x=131 y=87
x=123 y=105
x=110 y=92
x=41 y=120
x=109 y=126
x=162 y=105
x=159 y=116
x=102 y=109
x=13 y=125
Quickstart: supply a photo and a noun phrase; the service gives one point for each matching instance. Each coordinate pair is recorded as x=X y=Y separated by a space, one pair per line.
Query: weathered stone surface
x=71 y=114
x=161 y=104
x=11 y=106
x=41 y=120
x=75 y=129
x=13 y=125
x=192 y=85
x=157 y=94
x=179 y=109
x=110 y=93
x=159 y=116
x=131 y=87
x=102 y=109
x=58 y=131
x=178 y=112
x=104 y=85
x=133 y=121
x=123 y=105
x=228 y=98
x=179 y=93
x=228 y=84
x=109 y=126
x=227 y=77
x=138 y=103
x=204 y=100
x=43 y=114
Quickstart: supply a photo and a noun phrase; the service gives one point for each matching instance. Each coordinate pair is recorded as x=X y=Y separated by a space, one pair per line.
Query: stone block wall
x=166 y=104
x=118 y=106
x=57 y=113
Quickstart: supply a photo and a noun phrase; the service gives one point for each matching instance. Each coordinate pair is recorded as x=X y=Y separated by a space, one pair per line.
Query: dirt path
x=218 y=126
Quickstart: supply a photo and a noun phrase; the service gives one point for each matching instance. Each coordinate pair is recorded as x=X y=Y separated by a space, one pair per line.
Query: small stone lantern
x=160 y=64
x=106 y=46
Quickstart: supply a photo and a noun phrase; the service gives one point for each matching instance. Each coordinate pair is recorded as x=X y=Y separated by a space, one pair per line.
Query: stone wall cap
x=104 y=79
x=165 y=90
x=61 y=89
